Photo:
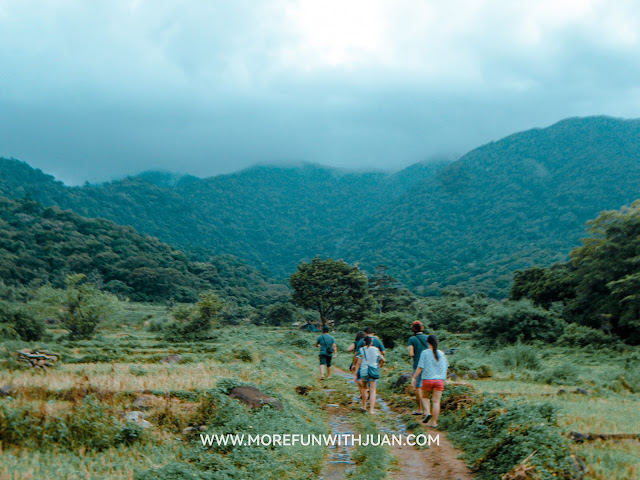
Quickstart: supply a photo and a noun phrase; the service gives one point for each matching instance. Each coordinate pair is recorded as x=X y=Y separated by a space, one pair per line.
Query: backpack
x=372 y=372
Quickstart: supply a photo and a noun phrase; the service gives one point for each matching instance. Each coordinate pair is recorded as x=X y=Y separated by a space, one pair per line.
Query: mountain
x=506 y=205
x=271 y=216
x=469 y=224
x=45 y=244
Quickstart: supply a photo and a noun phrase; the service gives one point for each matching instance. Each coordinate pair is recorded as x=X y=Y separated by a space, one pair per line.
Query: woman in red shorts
x=432 y=369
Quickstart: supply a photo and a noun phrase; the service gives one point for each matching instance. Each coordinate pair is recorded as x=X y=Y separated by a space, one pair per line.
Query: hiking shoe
x=427 y=418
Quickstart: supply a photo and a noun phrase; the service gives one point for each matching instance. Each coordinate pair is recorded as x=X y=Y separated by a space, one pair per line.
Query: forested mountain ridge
x=45 y=244
x=520 y=201
x=506 y=205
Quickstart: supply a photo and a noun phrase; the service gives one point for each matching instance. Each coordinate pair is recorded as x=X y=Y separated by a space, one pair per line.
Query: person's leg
x=437 y=395
x=425 y=402
x=363 y=393
x=372 y=396
x=420 y=409
x=329 y=358
x=323 y=361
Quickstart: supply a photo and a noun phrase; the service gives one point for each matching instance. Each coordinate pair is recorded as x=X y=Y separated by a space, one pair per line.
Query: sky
x=96 y=90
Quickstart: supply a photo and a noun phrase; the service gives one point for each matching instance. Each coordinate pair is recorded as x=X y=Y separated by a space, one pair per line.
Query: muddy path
x=435 y=462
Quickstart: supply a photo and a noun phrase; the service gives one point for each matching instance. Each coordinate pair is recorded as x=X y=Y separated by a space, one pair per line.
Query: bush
x=519 y=357
x=522 y=320
x=575 y=335
x=19 y=322
x=392 y=327
x=563 y=374
x=88 y=424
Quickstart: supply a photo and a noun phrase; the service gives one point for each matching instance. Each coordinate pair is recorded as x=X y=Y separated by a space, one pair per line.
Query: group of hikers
x=429 y=368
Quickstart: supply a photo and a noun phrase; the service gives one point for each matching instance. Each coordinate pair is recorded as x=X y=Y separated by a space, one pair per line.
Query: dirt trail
x=437 y=462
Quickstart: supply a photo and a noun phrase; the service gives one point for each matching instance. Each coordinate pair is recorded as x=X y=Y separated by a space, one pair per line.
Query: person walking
x=368 y=363
x=432 y=370
x=328 y=351
x=417 y=344
x=368 y=332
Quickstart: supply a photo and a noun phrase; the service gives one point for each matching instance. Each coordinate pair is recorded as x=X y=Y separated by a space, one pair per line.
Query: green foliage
x=499 y=435
x=393 y=328
x=87 y=425
x=80 y=307
x=599 y=288
x=562 y=374
x=519 y=357
x=193 y=324
x=19 y=321
x=575 y=335
x=280 y=314
x=520 y=320
x=335 y=289
x=44 y=244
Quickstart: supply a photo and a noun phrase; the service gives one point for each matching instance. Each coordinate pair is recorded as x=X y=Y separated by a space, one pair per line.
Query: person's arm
x=415 y=376
x=335 y=349
x=352 y=347
x=356 y=367
x=381 y=360
x=411 y=352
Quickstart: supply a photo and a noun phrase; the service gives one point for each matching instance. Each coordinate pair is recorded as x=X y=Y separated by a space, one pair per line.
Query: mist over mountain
x=506 y=205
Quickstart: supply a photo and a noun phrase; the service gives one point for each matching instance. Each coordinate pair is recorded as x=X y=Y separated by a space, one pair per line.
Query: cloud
x=93 y=90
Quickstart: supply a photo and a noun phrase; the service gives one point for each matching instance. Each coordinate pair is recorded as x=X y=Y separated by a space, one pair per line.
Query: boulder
x=454 y=377
x=471 y=375
x=7 y=391
x=173 y=358
x=137 y=418
x=581 y=391
x=189 y=431
x=253 y=397
x=403 y=379
x=144 y=402
x=562 y=391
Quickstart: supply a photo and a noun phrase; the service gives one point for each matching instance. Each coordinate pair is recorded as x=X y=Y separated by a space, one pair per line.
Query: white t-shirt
x=370 y=357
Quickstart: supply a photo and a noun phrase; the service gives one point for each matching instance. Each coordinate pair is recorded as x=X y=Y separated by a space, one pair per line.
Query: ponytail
x=433 y=341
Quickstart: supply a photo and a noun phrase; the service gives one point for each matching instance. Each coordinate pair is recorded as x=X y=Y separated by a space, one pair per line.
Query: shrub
x=522 y=320
x=392 y=327
x=19 y=322
x=563 y=374
x=575 y=335
x=519 y=357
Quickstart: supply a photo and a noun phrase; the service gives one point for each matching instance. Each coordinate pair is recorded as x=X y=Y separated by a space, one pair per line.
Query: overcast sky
x=93 y=90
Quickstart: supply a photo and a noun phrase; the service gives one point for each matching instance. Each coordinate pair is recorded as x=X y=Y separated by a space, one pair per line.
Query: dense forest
x=41 y=244
x=468 y=224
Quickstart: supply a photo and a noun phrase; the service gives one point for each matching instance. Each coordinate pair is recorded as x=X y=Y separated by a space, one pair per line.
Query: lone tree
x=335 y=289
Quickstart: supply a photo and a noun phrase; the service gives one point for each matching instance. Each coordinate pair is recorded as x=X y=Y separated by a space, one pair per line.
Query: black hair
x=433 y=341
x=359 y=336
x=368 y=341
x=368 y=330
x=325 y=329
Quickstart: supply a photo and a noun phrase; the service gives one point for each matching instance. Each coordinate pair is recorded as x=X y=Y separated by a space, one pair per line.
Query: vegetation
x=599 y=288
x=333 y=288
x=508 y=205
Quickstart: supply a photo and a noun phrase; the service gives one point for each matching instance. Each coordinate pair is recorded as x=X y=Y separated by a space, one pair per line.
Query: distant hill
x=44 y=244
x=467 y=224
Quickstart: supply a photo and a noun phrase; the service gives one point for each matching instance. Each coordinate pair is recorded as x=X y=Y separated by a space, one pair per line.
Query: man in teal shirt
x=417 y=344
x=328 y=350
x=368 y=332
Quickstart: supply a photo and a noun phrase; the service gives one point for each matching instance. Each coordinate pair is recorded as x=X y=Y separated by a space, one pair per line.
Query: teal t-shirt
x=376 y=343
x=419 y=344
x=326 y=342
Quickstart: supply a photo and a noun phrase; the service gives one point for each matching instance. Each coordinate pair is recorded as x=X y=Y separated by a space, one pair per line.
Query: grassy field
x=98 y=380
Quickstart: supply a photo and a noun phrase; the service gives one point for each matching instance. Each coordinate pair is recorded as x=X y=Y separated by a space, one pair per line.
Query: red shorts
x=428 y=385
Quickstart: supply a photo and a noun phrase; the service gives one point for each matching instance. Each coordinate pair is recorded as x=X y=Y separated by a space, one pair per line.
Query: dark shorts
x=325 y=360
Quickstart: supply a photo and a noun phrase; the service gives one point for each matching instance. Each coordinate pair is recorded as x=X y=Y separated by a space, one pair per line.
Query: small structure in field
x=38 y=358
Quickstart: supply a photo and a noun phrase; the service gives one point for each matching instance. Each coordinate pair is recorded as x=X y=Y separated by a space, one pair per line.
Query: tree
x=336 y=290
x=80 y=306
x=194 y=323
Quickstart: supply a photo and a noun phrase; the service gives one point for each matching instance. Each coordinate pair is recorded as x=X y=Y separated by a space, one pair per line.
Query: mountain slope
x=44 y=244
x=506 y=205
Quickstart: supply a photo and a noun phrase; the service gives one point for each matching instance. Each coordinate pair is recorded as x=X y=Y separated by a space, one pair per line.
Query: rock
x=302 y=389
x=253 y=397
x=7 y=391
x=174 y=358
x=471 y=375
x=578 y=437
x=581 y=391
x=189 y=430
x=403 y=380
x=562 y=391
x=453 y=376
x=202 y=428
x=145 y=402
x=137 y=418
